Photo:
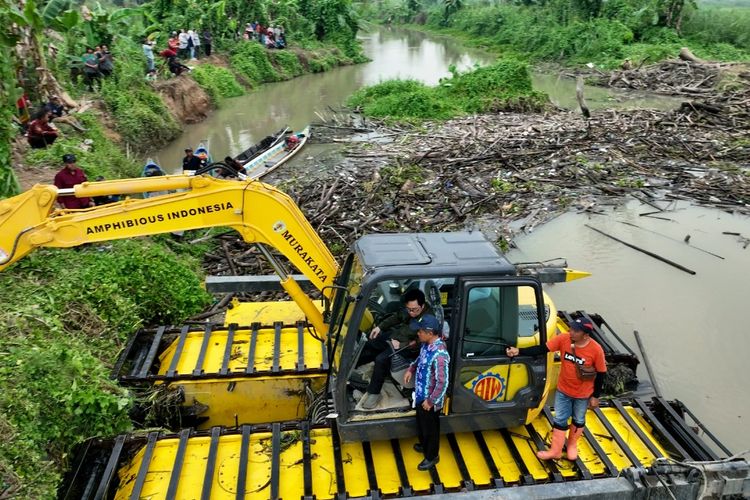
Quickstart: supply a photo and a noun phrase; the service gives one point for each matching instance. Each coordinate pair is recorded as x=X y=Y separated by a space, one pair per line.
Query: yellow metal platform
x=262 y=462
x=249 y=374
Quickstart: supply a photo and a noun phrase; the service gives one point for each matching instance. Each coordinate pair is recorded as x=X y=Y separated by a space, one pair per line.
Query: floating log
x=686 y=240
x=650 y=254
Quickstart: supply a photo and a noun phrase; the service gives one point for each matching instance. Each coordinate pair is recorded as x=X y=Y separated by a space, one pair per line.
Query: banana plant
x=101 y=25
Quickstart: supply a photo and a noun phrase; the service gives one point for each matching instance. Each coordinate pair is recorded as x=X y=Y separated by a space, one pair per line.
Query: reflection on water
x=694 y=328
x=395 y=53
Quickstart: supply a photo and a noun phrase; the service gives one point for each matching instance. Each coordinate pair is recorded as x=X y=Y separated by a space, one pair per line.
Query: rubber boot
x=555 y=448
x=572 y=447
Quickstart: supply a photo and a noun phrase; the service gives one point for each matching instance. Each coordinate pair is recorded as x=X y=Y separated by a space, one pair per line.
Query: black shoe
x=428 y=464
x=418 y=448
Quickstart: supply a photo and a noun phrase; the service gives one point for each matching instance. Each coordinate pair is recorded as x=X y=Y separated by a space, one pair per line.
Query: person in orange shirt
x=582 y=370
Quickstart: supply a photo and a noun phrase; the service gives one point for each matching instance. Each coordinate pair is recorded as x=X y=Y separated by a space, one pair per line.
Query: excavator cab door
x=495 y=314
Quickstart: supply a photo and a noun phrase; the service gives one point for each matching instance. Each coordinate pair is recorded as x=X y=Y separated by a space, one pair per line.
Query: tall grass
x=719 y=25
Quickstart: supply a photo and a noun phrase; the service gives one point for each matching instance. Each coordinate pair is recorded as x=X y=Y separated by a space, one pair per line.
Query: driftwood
x=642 y=250
x=581 y=100
x=686 y=55
x=514 y=170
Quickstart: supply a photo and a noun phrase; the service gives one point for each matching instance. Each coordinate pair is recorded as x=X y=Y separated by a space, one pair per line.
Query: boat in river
x=278 y=154
x=260 y=147
x=152 y=169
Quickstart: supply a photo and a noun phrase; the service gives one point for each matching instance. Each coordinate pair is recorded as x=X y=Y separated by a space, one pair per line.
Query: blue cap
x=582 y=325
x=427 y=322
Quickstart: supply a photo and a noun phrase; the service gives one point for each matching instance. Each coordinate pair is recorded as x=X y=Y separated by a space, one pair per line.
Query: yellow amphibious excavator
x=282 y=419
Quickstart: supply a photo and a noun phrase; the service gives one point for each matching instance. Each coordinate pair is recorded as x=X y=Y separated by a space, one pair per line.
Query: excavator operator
x=393 y=334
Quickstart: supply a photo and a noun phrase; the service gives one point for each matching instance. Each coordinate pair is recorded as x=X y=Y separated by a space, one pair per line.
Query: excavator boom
x=259 y=212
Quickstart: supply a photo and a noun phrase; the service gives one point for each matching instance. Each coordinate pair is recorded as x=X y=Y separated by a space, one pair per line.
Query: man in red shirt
x=577 y=390
x=69 y=176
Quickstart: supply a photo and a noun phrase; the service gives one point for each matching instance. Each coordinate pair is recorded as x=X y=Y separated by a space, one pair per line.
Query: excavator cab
x=484 y=307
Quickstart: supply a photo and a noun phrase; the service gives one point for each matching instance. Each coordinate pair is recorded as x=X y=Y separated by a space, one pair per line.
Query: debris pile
x=514 y=169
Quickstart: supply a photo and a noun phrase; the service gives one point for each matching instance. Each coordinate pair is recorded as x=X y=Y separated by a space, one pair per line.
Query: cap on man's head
x=582 y=325
x=427 y=322
x=69 y=158
x=188 y=149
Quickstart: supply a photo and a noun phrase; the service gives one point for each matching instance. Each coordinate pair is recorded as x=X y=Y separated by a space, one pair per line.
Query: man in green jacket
x=393 y=333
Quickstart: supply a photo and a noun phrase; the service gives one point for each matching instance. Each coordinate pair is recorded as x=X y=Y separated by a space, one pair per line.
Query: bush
x=492 y=87
x=288 y=62
x=219 y=82
x=140 y=115
x=65 y=315
x=505 y=85
x=251 y=60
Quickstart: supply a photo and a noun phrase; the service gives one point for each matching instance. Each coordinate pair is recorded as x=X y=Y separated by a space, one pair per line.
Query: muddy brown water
x=396 y=53
x=694 y=328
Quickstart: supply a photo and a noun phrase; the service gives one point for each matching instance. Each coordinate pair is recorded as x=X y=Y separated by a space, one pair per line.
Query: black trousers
x=428 y=431
x=380 y=350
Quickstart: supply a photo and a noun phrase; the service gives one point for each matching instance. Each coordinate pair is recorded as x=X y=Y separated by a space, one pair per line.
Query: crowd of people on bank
x=272 y=37
x=189 y=45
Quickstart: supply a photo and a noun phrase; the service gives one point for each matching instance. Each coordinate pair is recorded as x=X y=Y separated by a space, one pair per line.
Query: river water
x=692 y=326
x=395 y=53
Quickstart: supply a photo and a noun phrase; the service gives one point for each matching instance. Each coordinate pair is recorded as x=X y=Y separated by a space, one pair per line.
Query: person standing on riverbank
x=69 y=176
x=207 y=41
x=430 y=386
x=582 y=370
x=183 y=44
x=148 y=51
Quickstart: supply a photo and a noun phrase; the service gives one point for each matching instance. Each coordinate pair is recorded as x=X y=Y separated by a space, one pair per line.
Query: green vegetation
x=396 y=176
x=218 y=82
x=505 y=85
x=288 y=63
x=139 y=113
x=66 y=314
x=251 y=60
x=582 y=31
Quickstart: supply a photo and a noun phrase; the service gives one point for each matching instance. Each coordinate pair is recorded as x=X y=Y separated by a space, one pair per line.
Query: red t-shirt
x=67 y=179
x=591 y=354
x=38 y=129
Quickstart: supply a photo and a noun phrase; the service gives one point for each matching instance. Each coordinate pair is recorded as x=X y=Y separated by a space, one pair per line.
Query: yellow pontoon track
x=295 y=461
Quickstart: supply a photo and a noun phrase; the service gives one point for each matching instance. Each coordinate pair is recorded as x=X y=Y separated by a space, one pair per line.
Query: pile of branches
x=508 y=172
x=673 y=76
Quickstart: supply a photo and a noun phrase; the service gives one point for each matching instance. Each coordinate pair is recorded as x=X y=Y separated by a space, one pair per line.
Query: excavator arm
x=259 y=212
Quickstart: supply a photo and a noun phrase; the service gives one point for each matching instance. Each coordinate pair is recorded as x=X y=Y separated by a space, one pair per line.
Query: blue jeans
x=565 y=407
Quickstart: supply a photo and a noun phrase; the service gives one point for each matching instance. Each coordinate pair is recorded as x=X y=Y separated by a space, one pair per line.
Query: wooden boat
x=151 y=169
x=260 y=147
x=275 y=156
